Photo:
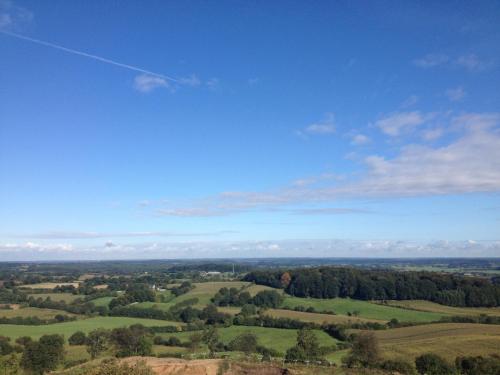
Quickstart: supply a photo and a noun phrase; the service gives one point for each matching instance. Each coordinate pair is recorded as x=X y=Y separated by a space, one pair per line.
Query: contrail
x=88 y=55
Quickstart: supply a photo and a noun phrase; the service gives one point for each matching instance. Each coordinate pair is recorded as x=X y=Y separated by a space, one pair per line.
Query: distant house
x=210 y=273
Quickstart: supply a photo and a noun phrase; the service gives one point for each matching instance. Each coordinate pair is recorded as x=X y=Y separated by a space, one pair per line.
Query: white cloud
x=360 y=139
x=431 y=60
x=468 y=164
x=432 y=134
x=147 y=83
x=455 y=94
x=13 y=16
x=192 y=80
x=325 y=127
x=399 y=122
x=212 y=83
x=410 y=101
x=471 y=62
x=252 y=249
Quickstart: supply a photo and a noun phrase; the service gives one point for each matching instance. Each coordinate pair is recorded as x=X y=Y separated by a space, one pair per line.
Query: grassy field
x=365 y=309
x=254 y=289
x=446 y=339
x=32 y=311
x=66 y=297
x=103 y=301
x=278 y=339
x=428 y=306
x=47 y=285
x=316 y=318
x=205 y=291
x=84 y=325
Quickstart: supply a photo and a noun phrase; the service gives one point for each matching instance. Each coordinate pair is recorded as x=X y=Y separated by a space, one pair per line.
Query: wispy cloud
x=469 y=164
x=330 y=211
x=13 y=16
x=397 y=123
x=360 y=139
x=333 y=248
x=455 y=94
x=324 y=127
x=96 y=235
x=147 y=83
x=470 y=62
x=431 y=60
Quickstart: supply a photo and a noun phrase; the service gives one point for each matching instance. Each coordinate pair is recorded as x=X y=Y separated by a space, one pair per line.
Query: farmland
x=84 y=325
x=448 y=340
x=363 y=309
x=275 y=338
x=269 y=320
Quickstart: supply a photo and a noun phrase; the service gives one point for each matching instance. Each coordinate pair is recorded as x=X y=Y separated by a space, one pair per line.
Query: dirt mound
x=174 y=366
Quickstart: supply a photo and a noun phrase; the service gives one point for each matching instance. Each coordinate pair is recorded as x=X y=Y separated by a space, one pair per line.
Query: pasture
x=66 y=297
x=316 y=317
x=103 y=301
x=363 y=309
x=205 y=291
x=85 y=325
x=428 y=306
x=275 y=338
x=48 y=285
x=26 y=312
x=446 y=339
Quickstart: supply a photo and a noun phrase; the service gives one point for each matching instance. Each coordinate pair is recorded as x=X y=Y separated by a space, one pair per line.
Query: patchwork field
x=276 y=338
x=48 y=285
x=32 y=311
x=446 y=339
x=103 y=301
x=317 y=318
x=66 y=297
x=428 y=306
x=84 y=325
x=363 y=309
x=205 y=291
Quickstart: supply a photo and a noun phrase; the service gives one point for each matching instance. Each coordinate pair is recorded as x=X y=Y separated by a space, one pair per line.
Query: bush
x=432 y=364
x=399 y=366
x=77 y=338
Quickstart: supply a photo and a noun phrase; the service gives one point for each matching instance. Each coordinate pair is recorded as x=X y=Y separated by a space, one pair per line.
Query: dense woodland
x=332 y=282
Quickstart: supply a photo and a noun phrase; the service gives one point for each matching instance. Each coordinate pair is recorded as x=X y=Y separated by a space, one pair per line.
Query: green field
x=48 y=285
x=205 y=291
x=446 y=339
x=317 y=318
x=84 y=325
x=66 y=297
x=31 y=312
x=365 y=309
x=428 y=306
x=103 y=301
x=275 y=338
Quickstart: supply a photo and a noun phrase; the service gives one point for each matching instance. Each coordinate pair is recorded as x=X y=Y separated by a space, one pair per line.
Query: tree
x=285 y=280
x=365 y=351
x=9 y=365
x=246 y=343
x=432 y=364
x=211 y=338
x=5 y=347
x=306 y=348
x=268 y=299
x=248 y=310
x=97 y=342
x=131 y=341
x=195 y=341
x=77 y=338
x=43 y=355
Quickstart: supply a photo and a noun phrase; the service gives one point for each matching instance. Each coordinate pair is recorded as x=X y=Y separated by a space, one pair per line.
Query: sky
x=185 y=129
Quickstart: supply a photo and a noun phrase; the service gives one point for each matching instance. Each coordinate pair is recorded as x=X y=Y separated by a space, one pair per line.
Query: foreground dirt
x=174 y=366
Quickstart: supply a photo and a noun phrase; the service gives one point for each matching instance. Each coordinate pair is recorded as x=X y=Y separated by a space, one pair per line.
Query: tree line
x=332 y=282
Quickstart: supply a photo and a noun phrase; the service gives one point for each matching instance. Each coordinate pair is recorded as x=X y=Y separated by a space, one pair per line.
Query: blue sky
x=227 y=128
